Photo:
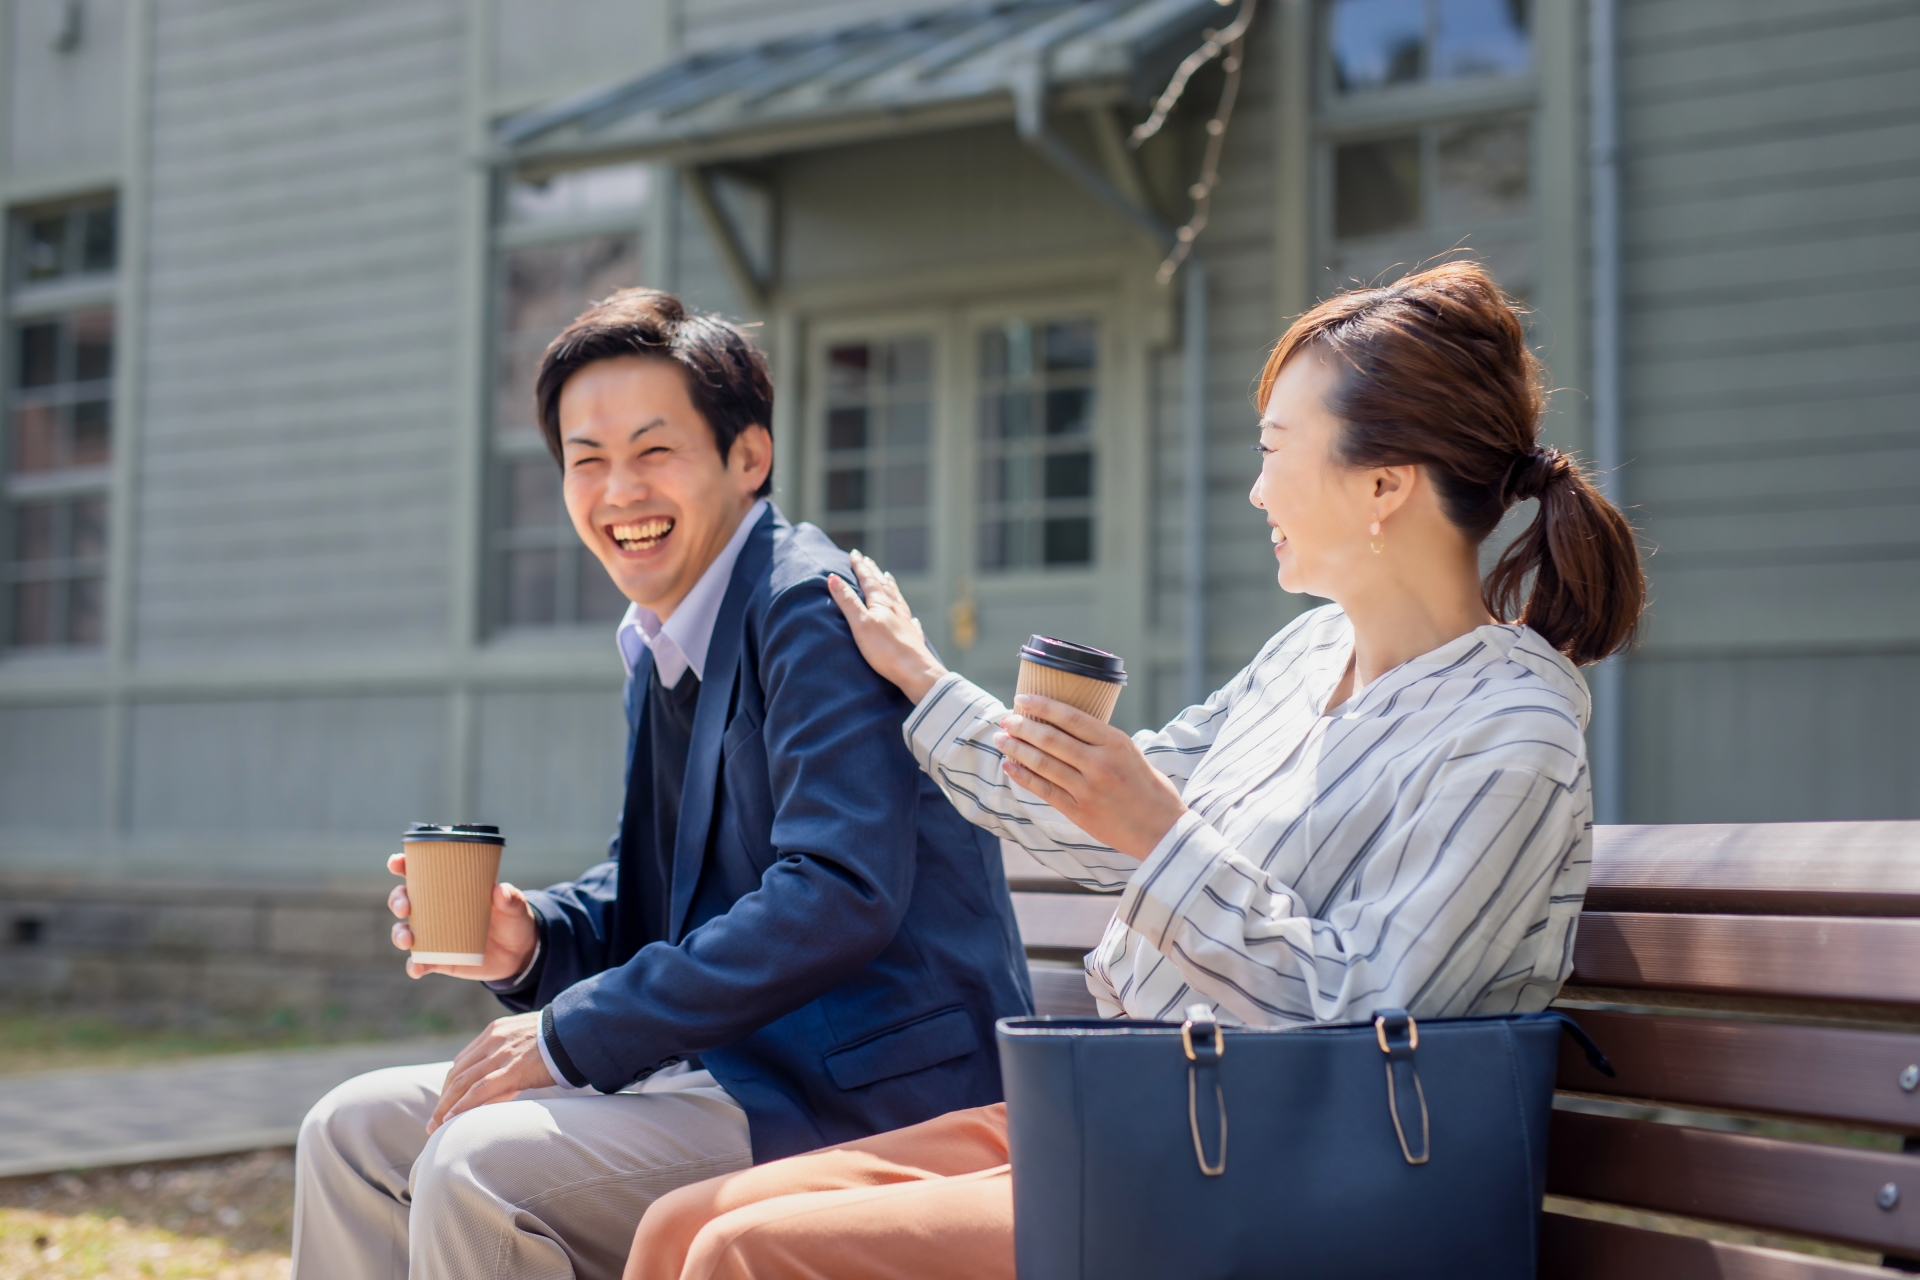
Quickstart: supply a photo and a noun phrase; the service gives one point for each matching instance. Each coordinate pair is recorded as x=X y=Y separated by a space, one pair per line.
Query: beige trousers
x=547 y=1187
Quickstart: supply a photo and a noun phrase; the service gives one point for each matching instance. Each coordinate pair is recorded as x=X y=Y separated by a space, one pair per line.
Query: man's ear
x=752 y=455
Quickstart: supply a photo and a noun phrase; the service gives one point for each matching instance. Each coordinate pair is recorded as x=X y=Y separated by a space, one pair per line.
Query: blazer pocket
x=927 y=1042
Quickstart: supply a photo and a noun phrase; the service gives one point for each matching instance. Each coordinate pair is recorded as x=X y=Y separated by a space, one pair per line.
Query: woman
x=1388 y=807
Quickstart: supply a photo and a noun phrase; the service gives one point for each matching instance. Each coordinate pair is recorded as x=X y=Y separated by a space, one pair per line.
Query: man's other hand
x=511 y=935
x=495 y=1067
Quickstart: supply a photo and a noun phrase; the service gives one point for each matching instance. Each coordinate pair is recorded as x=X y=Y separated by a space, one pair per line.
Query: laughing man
x=793 y=941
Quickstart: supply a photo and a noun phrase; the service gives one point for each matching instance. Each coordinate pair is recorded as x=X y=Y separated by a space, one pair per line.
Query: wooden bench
x=1758 y=991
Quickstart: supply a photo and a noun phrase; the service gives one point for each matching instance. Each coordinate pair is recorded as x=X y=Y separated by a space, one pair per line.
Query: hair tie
x=1532 y=474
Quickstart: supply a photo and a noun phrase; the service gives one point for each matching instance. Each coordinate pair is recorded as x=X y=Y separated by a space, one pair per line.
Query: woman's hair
x=1437 y=374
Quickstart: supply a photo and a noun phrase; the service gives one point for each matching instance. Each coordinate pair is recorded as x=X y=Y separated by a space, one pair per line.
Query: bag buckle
x=1205 y=1058
x=1389 y=1028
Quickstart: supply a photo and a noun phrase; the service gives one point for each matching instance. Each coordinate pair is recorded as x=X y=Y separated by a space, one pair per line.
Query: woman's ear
x=1392 y=487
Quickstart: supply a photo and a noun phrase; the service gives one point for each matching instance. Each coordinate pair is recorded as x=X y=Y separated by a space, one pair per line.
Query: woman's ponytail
x=1588 y=588
x=1438 y=375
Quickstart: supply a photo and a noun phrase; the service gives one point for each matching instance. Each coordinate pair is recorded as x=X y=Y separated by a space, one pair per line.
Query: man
x=794 y=939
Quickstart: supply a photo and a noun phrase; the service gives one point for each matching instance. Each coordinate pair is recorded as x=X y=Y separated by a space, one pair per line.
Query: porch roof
x=908 y=74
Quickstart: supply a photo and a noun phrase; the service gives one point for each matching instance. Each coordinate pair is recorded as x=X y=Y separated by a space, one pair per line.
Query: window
x=1376 y=44
x=1036 y=428
x=59 y=439
x=876 y=454
x=1437 y=170
x=561 y=244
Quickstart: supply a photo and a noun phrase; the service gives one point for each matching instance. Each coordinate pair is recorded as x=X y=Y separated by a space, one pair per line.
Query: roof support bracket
x=751 y=282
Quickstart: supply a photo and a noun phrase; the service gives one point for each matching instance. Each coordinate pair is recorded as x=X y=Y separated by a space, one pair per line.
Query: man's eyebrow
x=645 y=427
x=589 y=441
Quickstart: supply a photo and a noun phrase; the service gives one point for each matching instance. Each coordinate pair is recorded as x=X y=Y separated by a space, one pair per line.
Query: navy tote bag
x=1153 y=1150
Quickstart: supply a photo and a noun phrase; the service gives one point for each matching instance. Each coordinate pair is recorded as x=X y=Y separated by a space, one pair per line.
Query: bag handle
x=1399 y=1035
x=1205 y=1045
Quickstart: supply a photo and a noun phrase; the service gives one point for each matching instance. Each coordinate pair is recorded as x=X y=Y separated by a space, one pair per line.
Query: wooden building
x=285 y=566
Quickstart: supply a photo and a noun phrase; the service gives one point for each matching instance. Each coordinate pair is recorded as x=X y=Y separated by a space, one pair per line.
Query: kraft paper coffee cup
x=451 y=872
x=1083 y=677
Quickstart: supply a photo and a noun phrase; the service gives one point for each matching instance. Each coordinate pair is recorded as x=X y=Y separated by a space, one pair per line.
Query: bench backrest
x=1757 y=989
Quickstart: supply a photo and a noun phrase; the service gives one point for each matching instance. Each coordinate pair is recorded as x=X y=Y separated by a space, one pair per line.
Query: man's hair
x=726 y=374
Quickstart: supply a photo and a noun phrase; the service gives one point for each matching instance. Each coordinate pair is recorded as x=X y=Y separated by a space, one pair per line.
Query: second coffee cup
x=1076 y=674
x=451 y=871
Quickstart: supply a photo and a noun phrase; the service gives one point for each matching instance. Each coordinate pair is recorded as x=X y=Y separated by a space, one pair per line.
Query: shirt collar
x=680 y=643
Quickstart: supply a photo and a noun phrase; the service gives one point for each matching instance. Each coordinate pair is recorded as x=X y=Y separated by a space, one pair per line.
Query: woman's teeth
x=641 y=535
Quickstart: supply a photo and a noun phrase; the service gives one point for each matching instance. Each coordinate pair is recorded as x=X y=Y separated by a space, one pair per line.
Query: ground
x=58 y=1040
x=220 y=1219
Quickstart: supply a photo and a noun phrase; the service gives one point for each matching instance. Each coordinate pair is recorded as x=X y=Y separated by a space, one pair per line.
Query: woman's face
x=1317 y=506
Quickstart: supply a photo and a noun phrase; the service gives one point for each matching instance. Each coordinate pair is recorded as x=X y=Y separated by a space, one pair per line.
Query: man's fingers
x=402 y=935
x=397 y=863
x=399 y=903
x=492 y=1087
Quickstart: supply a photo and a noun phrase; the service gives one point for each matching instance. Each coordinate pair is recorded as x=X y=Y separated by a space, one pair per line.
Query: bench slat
x=1825 y=1073
x=1780 y=868
x=1816 y=957
x=1581 y=1249
x=1797 y=1188
x=1063 y=920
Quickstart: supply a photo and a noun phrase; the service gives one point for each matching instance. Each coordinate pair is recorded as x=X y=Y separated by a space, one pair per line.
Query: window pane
x=98 y=234
x=1070 y=541
x=1376 y=187
x=92 y=346
x=542 y=288
x=904 y=550
x=1481 y=38
x=847 y=427
x=39 y=437
x=1376 y=42
x=847 y=490
x=1069 y=412
x=908 y=424
x=847 y=369
x=45 y=250
x=1070 y=475
x=600 y=600
x=909 y=363
x=907 y=485
x=579 y=193
x=40 y=354
x=32 y=613
x=36 y=532
x=92 y=433
x=1481 y=172
x=84 y=611
x=533 y=494
x=1070 y=346
x=88 y=538
x=532 y=587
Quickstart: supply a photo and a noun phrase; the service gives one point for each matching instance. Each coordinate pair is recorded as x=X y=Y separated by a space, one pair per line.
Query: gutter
x=1028 y=82
x=1609 y=677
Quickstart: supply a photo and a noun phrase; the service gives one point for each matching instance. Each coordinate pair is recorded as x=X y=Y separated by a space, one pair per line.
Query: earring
x=1374 y=541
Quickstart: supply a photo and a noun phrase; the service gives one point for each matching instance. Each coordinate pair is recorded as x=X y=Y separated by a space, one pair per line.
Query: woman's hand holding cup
x=511 y=934
x=1090 y=771
x=889 y=636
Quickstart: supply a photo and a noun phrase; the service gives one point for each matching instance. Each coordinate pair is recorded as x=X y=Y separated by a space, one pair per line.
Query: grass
x=53 y=1041
x=226 y=1219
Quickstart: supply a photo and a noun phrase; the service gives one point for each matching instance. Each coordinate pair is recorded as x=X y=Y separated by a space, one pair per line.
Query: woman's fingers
x=1081 y=756
x=1064 y=716
x=1031 y=782
x=1037 y=759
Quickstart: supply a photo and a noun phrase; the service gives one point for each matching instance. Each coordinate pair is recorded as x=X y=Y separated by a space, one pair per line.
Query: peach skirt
x=928 y=1202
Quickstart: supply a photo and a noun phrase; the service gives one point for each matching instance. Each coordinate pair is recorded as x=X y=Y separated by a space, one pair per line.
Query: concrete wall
x=1772 y=237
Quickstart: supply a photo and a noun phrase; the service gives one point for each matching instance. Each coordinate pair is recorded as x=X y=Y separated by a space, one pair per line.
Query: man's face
x=644 y=481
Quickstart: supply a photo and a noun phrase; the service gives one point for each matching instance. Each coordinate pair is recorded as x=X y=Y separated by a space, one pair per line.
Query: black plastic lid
x=1076 y=659
x=464 y=832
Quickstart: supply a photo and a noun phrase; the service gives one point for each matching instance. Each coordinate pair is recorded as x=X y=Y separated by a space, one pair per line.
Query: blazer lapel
x=710 y=723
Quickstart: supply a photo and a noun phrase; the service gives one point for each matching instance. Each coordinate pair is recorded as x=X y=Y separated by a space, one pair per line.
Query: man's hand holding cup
x=454 y=897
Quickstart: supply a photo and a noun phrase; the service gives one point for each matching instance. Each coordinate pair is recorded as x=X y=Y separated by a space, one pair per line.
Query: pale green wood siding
x=1772 y=245
x=64 y=105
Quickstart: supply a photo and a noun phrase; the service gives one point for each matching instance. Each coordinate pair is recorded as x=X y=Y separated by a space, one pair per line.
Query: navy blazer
x=839 y=941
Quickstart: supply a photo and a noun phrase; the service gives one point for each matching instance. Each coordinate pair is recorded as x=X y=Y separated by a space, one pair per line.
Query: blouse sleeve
x=1437 y=908
x=951 y=735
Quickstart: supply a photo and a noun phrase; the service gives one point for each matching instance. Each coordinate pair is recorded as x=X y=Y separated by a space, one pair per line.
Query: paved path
x=206 y=1106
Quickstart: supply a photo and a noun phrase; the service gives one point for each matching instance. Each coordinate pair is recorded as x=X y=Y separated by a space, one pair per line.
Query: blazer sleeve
x=840 y=871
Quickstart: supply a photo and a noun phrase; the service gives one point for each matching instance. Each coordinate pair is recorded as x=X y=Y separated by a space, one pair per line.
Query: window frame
x=62 y=297
x=501 y=448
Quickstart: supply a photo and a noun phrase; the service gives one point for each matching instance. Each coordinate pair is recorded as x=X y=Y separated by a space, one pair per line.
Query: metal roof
x=949 y=67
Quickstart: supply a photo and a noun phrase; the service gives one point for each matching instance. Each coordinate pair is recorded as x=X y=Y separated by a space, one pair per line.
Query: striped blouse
x=1424 y=846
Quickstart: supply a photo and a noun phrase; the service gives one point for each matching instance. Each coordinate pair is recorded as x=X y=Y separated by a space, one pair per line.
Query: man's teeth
x=639 y=534
x=1279 y=536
